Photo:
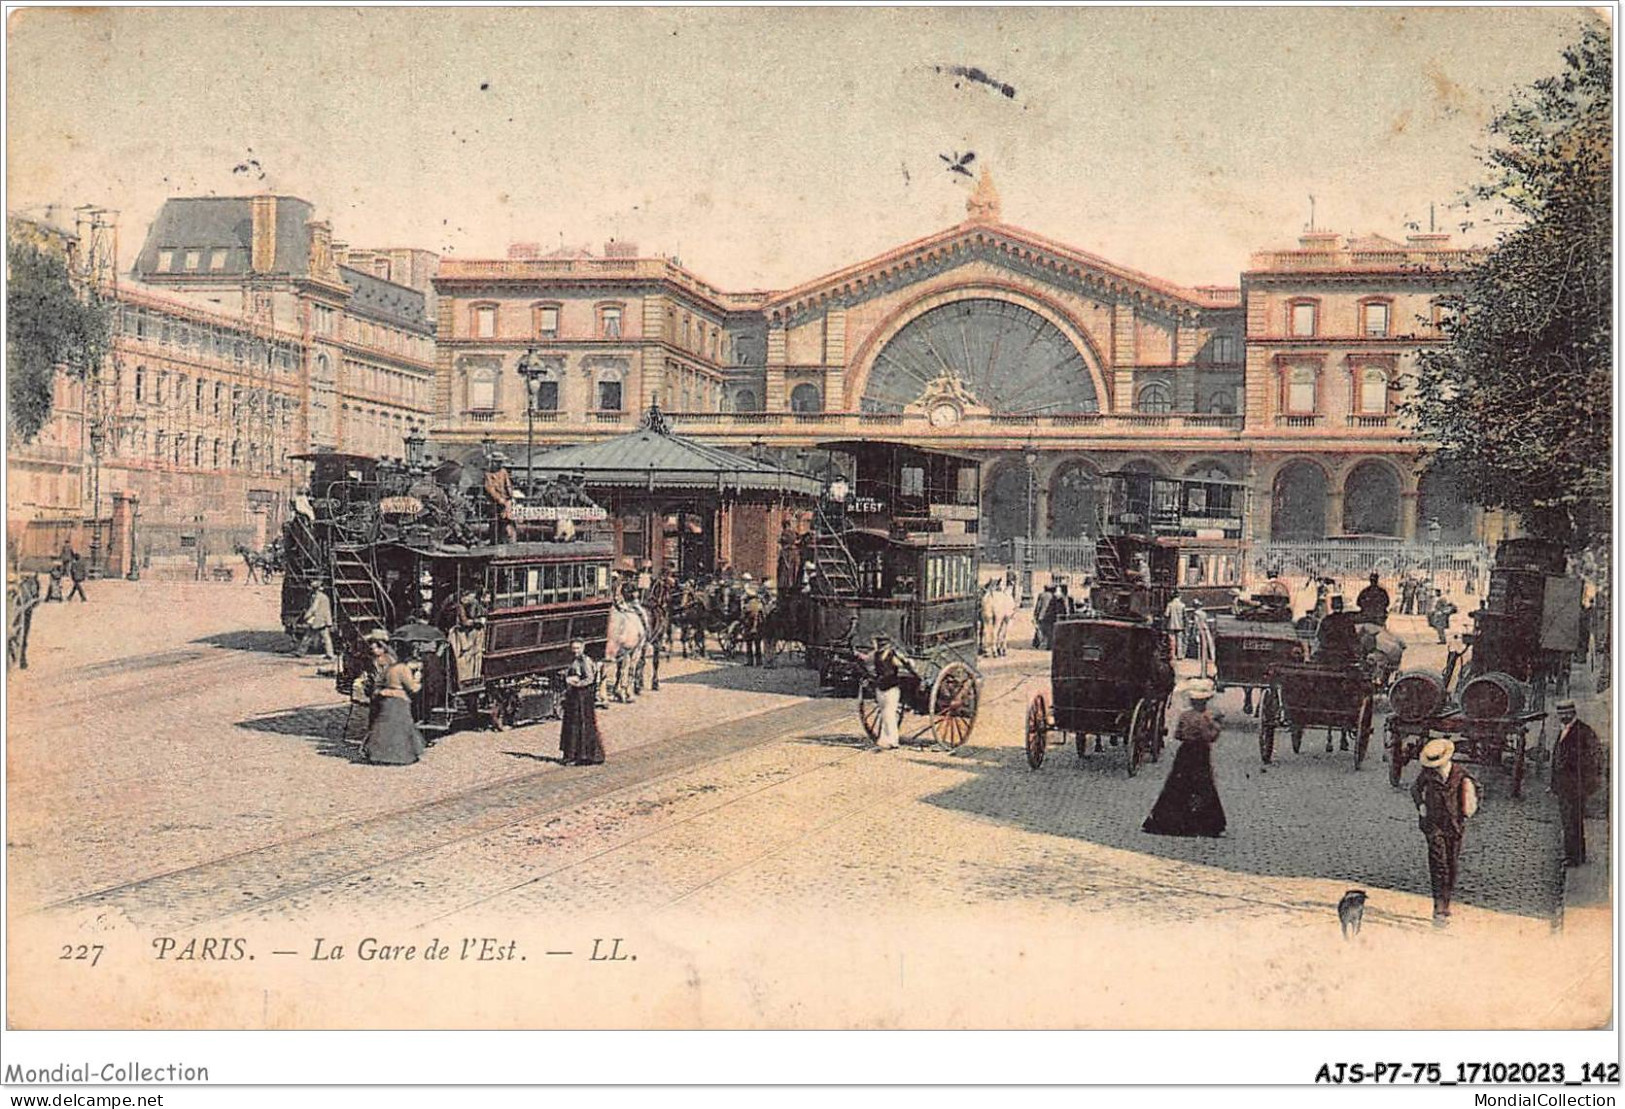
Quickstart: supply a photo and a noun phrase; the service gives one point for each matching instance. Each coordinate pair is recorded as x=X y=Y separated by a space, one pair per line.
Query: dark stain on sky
x=971 y=73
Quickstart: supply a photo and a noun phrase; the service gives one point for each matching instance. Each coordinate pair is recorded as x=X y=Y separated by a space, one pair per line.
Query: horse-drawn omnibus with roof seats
x=893 y=549
x=1199 y=520
x=416 y=552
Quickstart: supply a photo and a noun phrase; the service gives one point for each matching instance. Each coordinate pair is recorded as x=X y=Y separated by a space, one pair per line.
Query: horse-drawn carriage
x=944 y=689
x=892 y=550
x=488 y=605
x=1520 y=648
x=1249 y=644
x=1110 y=679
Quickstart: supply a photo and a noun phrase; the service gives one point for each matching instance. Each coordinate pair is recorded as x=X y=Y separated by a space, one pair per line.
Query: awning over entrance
x=653 y=458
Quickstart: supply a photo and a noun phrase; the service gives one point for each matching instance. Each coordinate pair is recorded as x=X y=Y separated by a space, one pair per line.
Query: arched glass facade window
x=745 y=401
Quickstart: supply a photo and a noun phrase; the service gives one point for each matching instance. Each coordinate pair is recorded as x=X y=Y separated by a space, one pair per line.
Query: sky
x=765 y=147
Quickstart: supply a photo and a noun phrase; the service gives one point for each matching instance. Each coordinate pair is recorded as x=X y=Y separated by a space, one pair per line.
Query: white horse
x=627 y=647
x=998 y=608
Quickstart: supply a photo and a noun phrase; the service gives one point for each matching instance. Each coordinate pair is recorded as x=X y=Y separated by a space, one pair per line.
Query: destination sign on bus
x=865 y=506
x=400 y=506
x=529 y=512
x=954 y=511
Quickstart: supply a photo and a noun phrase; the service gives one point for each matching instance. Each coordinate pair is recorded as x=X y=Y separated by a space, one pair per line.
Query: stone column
x=835 y=360
x=775 y=398
x=1187 y=342
x=1123 y=357
x=1408 y=504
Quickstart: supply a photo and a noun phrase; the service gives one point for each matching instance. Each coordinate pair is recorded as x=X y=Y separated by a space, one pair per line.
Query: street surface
x=171 y=773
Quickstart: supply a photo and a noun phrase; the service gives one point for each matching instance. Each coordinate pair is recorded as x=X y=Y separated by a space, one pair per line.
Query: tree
x=1518 y=402
x=49 y=326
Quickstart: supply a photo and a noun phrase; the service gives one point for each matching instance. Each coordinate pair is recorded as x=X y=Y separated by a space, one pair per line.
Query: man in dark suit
x=1576 y=774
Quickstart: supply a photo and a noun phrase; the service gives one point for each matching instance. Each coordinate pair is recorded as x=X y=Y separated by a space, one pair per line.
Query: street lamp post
x=135 y=555
x=415 y=441
x=1029 y=454
x=97 y=442
x=532 y=369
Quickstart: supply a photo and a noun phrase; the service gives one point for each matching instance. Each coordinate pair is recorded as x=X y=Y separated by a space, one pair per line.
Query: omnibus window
x=603 y=580
x=913 y=481
x=533 y=586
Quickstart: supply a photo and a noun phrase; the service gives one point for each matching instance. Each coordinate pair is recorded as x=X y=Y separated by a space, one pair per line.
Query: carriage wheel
x=953 y=704
x=1297 y=738
x=1396 y=755
x=1137 y=723
x=1519 y=762
x=1363 y=740
x=1037 y=730
x=869 y=711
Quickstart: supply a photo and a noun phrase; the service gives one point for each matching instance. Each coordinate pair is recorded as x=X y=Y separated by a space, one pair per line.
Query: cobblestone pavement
x=735 y=809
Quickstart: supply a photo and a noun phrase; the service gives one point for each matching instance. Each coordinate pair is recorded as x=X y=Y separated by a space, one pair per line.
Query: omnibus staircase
x=360 y=601
x=837 y=574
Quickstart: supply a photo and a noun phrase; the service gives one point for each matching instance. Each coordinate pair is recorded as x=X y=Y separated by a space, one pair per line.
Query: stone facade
x=240 y=339
x=1183 y=381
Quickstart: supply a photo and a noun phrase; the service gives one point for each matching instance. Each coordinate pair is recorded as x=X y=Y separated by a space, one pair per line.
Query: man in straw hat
x=1446 y=797
x=1576 y=774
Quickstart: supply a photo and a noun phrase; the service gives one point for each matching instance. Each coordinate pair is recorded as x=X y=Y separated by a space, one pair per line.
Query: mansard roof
x=1033 y=250
x=224 y=223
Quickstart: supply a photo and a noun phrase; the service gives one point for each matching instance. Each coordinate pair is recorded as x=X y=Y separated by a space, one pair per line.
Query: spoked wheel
x=1363 y=741
x=954 y=696
x=1396 y=756
x=1037 y=730
x=1520 y=760
x=1138 y=722
x=869 y=711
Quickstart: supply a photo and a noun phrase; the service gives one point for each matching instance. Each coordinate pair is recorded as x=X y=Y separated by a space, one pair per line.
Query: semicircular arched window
x=1154 y=399
x=1007 y=357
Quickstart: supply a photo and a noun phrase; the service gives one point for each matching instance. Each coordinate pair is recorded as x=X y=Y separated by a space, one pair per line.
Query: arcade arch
x=1298 y=502
x=1371 y=500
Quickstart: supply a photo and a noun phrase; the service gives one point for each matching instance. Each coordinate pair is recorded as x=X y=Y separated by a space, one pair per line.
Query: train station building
x=1049 y=363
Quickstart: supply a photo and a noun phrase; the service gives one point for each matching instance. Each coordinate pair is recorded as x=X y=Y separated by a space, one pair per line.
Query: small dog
x=1350 y=911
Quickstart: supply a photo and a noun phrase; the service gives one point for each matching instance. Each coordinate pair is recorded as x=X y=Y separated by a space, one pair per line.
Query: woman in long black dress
x=1189 y=802
x=579 y=741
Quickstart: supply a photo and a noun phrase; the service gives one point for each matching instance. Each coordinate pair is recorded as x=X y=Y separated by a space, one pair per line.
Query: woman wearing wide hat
x=1189 y=802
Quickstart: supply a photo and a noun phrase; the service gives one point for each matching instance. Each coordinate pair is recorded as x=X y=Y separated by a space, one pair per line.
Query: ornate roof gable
x=1010 y=247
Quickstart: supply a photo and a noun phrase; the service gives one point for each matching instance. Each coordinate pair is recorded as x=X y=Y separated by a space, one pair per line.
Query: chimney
x=262 y=257
x=620 y=248
x=524 y=252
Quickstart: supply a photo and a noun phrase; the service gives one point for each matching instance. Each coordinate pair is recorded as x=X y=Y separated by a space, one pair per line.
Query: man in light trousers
x=889 y=667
